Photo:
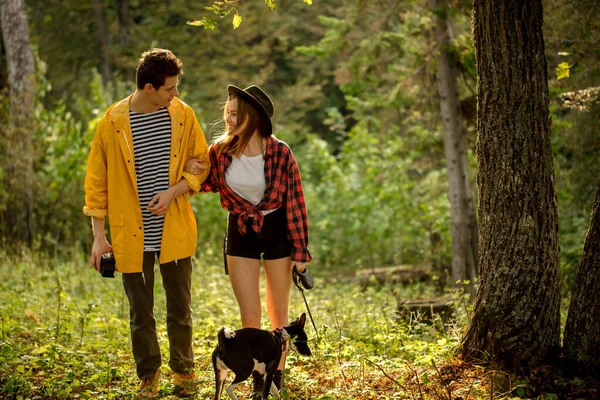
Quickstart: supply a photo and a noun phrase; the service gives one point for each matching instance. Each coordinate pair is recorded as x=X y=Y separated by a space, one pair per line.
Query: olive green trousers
x=139 y=287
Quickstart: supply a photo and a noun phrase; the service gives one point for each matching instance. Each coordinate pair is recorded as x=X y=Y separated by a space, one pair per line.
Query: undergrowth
x=65 y=334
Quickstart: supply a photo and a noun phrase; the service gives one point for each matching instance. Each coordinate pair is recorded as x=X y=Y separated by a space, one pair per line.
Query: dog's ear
x=302 y=320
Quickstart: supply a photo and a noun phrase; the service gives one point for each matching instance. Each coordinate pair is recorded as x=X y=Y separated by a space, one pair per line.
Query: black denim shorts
x=272 y=242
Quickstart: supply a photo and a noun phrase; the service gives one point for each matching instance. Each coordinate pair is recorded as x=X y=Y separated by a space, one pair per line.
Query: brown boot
x=184 y=383
x=148 y=386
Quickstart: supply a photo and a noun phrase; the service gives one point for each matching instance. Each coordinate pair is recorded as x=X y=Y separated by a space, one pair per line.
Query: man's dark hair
x=156 y=65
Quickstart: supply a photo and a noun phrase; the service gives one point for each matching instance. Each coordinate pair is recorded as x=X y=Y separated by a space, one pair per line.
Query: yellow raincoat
x=111 y=186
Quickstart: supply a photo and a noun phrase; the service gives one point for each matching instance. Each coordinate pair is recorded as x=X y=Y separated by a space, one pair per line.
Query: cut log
x=425 y=309
x=393 y=275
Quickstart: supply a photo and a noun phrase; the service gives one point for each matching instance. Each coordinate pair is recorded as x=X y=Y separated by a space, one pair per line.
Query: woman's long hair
x=234 y=144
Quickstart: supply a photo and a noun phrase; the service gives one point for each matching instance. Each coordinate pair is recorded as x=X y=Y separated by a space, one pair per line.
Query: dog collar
x=284 y=338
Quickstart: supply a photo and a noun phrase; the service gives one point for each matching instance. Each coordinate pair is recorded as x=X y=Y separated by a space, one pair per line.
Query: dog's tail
x=224 y=335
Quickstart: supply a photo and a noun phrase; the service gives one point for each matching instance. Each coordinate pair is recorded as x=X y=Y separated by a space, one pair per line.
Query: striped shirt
x=151 y=134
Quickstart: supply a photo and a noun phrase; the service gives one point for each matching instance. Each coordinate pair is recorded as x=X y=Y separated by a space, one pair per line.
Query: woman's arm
x=296 y=214
x=196 y=166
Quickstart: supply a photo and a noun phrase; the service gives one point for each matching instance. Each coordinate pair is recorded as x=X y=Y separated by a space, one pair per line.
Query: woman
x=259 y=183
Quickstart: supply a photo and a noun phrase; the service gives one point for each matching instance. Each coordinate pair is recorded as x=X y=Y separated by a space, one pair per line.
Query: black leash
x=296 y=278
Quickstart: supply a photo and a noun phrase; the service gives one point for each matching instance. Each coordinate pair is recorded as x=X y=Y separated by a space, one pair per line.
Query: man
x=135 y=177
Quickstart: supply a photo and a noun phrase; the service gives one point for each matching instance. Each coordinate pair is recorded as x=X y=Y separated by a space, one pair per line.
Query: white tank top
x=246 y=177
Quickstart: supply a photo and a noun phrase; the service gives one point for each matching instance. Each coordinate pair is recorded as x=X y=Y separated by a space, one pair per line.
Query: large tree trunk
x=516 y=315
x=18 y=217
x=462 y=210
x=582 y=332
x=103 y=41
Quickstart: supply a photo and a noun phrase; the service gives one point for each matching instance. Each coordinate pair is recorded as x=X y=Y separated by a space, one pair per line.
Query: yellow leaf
x=237 y=20
x=562 y=70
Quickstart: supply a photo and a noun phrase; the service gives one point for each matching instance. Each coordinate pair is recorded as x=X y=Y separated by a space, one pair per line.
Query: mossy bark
x=516 y=318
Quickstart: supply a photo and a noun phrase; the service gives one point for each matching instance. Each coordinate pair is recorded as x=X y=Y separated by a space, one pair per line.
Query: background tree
x=17 y=217
x=462 y=209
x=517 y=308
x=102 y=33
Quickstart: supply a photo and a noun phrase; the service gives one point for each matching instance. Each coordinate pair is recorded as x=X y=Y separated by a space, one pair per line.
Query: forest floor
x=65 y=335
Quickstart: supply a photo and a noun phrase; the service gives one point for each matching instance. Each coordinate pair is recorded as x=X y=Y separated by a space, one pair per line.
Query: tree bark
x=516 y=312
x=103 y=41
x=18 y=217
x=462 y=210
x=123 y=13
x=582 y=332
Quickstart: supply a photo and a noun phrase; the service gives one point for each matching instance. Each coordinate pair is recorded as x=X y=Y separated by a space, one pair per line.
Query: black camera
x=107 y=265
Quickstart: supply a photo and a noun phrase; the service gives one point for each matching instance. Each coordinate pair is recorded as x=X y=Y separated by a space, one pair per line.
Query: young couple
x=147 y=156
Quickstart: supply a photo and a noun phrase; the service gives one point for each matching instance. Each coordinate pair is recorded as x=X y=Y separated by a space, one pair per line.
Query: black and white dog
x=250 y=349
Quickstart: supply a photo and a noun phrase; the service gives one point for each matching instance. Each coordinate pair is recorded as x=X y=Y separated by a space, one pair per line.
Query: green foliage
x=66 y=334
x=572 y=34
x=222 y=9
x=355 y=98
x=63 y=145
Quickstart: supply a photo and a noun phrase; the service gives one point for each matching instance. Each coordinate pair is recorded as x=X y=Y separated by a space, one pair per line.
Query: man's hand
x=161 y=202
x=194 y=166
x=100 y=247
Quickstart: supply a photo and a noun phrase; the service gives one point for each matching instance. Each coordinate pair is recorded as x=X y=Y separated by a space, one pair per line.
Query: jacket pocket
x=117 y=232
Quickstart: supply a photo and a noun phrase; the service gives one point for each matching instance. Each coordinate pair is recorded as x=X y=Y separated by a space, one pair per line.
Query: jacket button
x=140 y=228
x=174 y=155
x=134 y=235
x=128 y=160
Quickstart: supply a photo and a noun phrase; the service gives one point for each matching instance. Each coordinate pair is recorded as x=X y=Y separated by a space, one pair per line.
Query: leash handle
x=306 y=303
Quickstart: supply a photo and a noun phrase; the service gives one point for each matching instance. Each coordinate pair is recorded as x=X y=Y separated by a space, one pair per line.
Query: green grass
x=65 y=334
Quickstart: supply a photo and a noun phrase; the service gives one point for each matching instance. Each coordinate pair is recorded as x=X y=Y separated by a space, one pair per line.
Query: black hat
x=259 y=99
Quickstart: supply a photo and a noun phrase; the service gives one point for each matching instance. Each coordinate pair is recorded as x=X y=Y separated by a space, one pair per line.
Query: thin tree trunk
x=582 y=332
x=123 y=12
x=462 y=210
x=517 y=308
x=18 y=217
x=103 y=41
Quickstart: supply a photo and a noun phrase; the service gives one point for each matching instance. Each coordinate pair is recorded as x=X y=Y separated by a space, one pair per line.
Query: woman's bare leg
x=244 y=274
x=278 y=274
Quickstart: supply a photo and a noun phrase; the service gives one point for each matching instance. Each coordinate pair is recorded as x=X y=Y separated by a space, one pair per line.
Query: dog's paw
x=229 y=334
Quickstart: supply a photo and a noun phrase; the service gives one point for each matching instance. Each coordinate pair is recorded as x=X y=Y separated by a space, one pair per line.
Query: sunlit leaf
x=270 y=3
x=237 y=20
x=562 y=70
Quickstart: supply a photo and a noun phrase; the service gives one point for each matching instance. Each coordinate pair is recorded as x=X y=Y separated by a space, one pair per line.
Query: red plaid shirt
x=284 y=190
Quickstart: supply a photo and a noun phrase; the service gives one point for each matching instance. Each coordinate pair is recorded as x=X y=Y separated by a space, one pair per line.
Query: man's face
x=164 y=94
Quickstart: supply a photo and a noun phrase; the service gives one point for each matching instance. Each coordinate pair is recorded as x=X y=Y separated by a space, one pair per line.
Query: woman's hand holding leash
x=301 y=274
x=299 y=266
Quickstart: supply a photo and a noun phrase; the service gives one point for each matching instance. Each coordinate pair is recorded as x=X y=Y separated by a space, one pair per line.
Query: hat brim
x=234 y=90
